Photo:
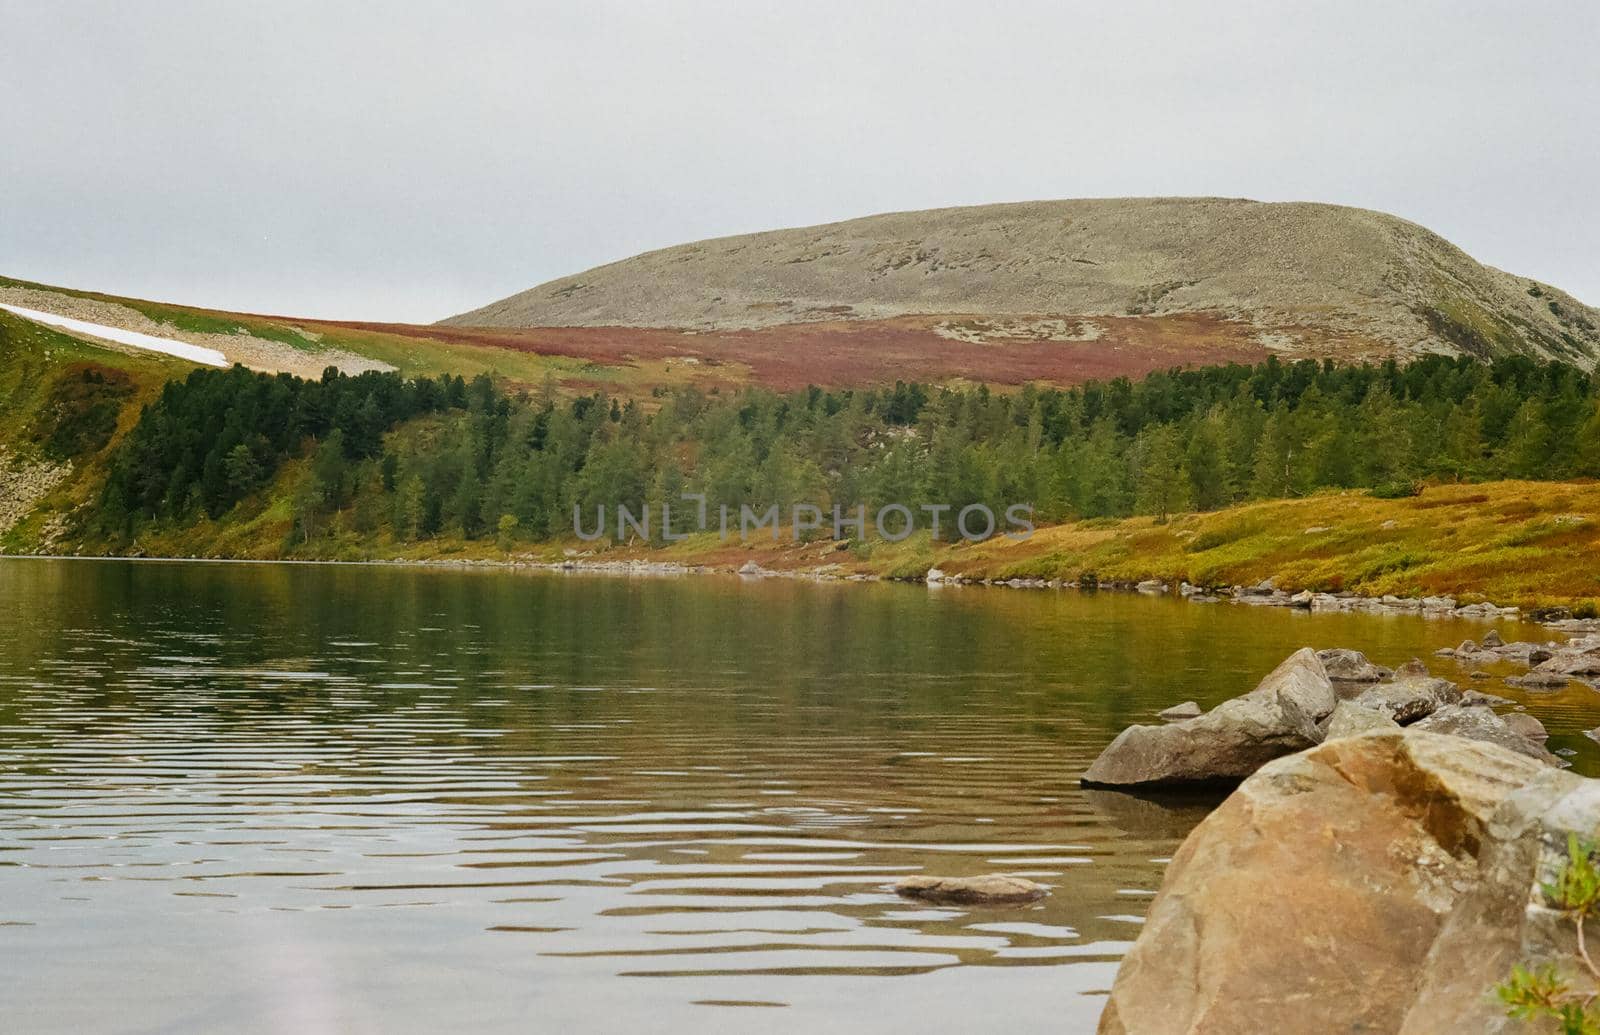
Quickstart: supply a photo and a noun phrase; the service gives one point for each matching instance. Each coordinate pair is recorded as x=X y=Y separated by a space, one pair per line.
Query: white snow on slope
x=210 y=357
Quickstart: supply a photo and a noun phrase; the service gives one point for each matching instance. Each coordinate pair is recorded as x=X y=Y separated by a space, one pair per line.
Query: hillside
x=1300 y=278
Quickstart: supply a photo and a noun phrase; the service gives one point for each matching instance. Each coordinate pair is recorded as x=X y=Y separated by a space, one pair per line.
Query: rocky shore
x=1312 y=697
x=1383 y=882
x=1383 y=865
x=1263 y=594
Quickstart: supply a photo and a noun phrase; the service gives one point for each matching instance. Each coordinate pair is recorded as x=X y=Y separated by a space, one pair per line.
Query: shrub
x=1533 y=994
x=1396 y=490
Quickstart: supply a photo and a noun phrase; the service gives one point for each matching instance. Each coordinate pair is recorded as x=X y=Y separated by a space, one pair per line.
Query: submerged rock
x=991 y=888
x=1168 y=815
x=1539 y=680
x=1229 y=742
x=1305 y=901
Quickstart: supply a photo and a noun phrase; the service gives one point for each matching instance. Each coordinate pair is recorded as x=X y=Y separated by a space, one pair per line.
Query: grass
x=34 y=360
x=1532 y=544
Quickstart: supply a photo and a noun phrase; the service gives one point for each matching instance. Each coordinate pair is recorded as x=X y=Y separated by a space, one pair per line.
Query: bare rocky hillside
x=1308 y=277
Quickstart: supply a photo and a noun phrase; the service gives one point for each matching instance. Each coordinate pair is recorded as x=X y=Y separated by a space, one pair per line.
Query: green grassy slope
x=63 y=406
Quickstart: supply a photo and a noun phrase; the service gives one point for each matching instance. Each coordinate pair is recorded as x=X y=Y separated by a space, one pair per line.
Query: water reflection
x=304 y=798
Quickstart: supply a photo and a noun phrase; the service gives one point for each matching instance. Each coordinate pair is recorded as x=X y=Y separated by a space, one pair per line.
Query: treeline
x=213 y=439
x=419 y=459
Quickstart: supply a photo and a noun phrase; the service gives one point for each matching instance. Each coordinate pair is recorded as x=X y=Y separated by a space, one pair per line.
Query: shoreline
x=1264 y=594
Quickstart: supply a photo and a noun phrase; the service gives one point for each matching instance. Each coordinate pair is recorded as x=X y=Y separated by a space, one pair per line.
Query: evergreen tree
x=1526 y=453
x=1163 y=483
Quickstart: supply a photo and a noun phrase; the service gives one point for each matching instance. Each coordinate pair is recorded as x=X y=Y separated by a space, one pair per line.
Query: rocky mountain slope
x=1306 y=278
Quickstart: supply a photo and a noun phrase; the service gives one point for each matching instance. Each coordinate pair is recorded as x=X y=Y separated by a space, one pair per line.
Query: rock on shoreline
x=1229 y=742
x=1383 y=882
x=1301 y=704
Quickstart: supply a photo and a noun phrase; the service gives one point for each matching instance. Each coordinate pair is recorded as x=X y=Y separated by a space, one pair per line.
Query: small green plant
x=1545 y=992
x=1397 y=490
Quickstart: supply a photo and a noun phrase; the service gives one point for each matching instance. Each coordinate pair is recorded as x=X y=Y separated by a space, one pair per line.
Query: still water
x=292 y=798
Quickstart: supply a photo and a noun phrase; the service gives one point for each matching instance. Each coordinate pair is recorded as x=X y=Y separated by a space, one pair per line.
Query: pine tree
x=1207 y=464
x=1163 y=483
x=1586 y=445
x=1461 y=446
x=1526 y=453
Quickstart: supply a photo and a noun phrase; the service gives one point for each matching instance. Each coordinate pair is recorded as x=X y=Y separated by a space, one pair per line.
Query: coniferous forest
x=425 y=458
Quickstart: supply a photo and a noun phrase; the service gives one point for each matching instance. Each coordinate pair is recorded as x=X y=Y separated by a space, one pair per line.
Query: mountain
x=1296 y=278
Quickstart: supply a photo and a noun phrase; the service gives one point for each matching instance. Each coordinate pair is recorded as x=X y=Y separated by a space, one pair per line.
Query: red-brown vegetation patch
x=843 y=353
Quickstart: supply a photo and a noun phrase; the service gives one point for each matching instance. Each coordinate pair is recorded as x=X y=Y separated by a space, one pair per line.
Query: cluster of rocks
x=1311 y=698
x=23 y=483
x=1551 y=665
x=1267 y=594
x=1385 y=882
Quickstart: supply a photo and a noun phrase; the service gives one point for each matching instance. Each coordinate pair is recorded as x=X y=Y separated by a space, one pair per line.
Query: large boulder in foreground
x=1229 y=742
x=1306 y=902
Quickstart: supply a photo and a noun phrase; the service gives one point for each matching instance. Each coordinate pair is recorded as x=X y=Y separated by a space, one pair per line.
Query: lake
x=301 y=798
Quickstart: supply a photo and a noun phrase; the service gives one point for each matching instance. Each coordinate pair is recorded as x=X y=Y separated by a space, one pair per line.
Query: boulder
x=1520 y=650
x=935 y=575
x=1179 y=712
x=1305 y=901
x=1229 y=742
x=1492 y=640
x=1407 y=700
x=1351 y=666
x=1527 y=725
x=989 y=889
x=751 y=568
x=1151 y=586
x=1349 y=719
x=1484 y=725
x=1539 y=680
x=1571 y=662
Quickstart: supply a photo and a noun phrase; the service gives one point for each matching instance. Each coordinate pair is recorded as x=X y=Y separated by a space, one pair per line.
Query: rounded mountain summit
x=1188 y=279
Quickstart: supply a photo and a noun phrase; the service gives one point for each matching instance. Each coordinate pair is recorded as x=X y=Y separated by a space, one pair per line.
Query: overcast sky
x=406 y=161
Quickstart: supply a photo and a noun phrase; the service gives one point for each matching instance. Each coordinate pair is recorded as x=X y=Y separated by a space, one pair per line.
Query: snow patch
x=210 y=357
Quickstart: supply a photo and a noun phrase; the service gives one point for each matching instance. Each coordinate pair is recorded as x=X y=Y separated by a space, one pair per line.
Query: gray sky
x=406 y=161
